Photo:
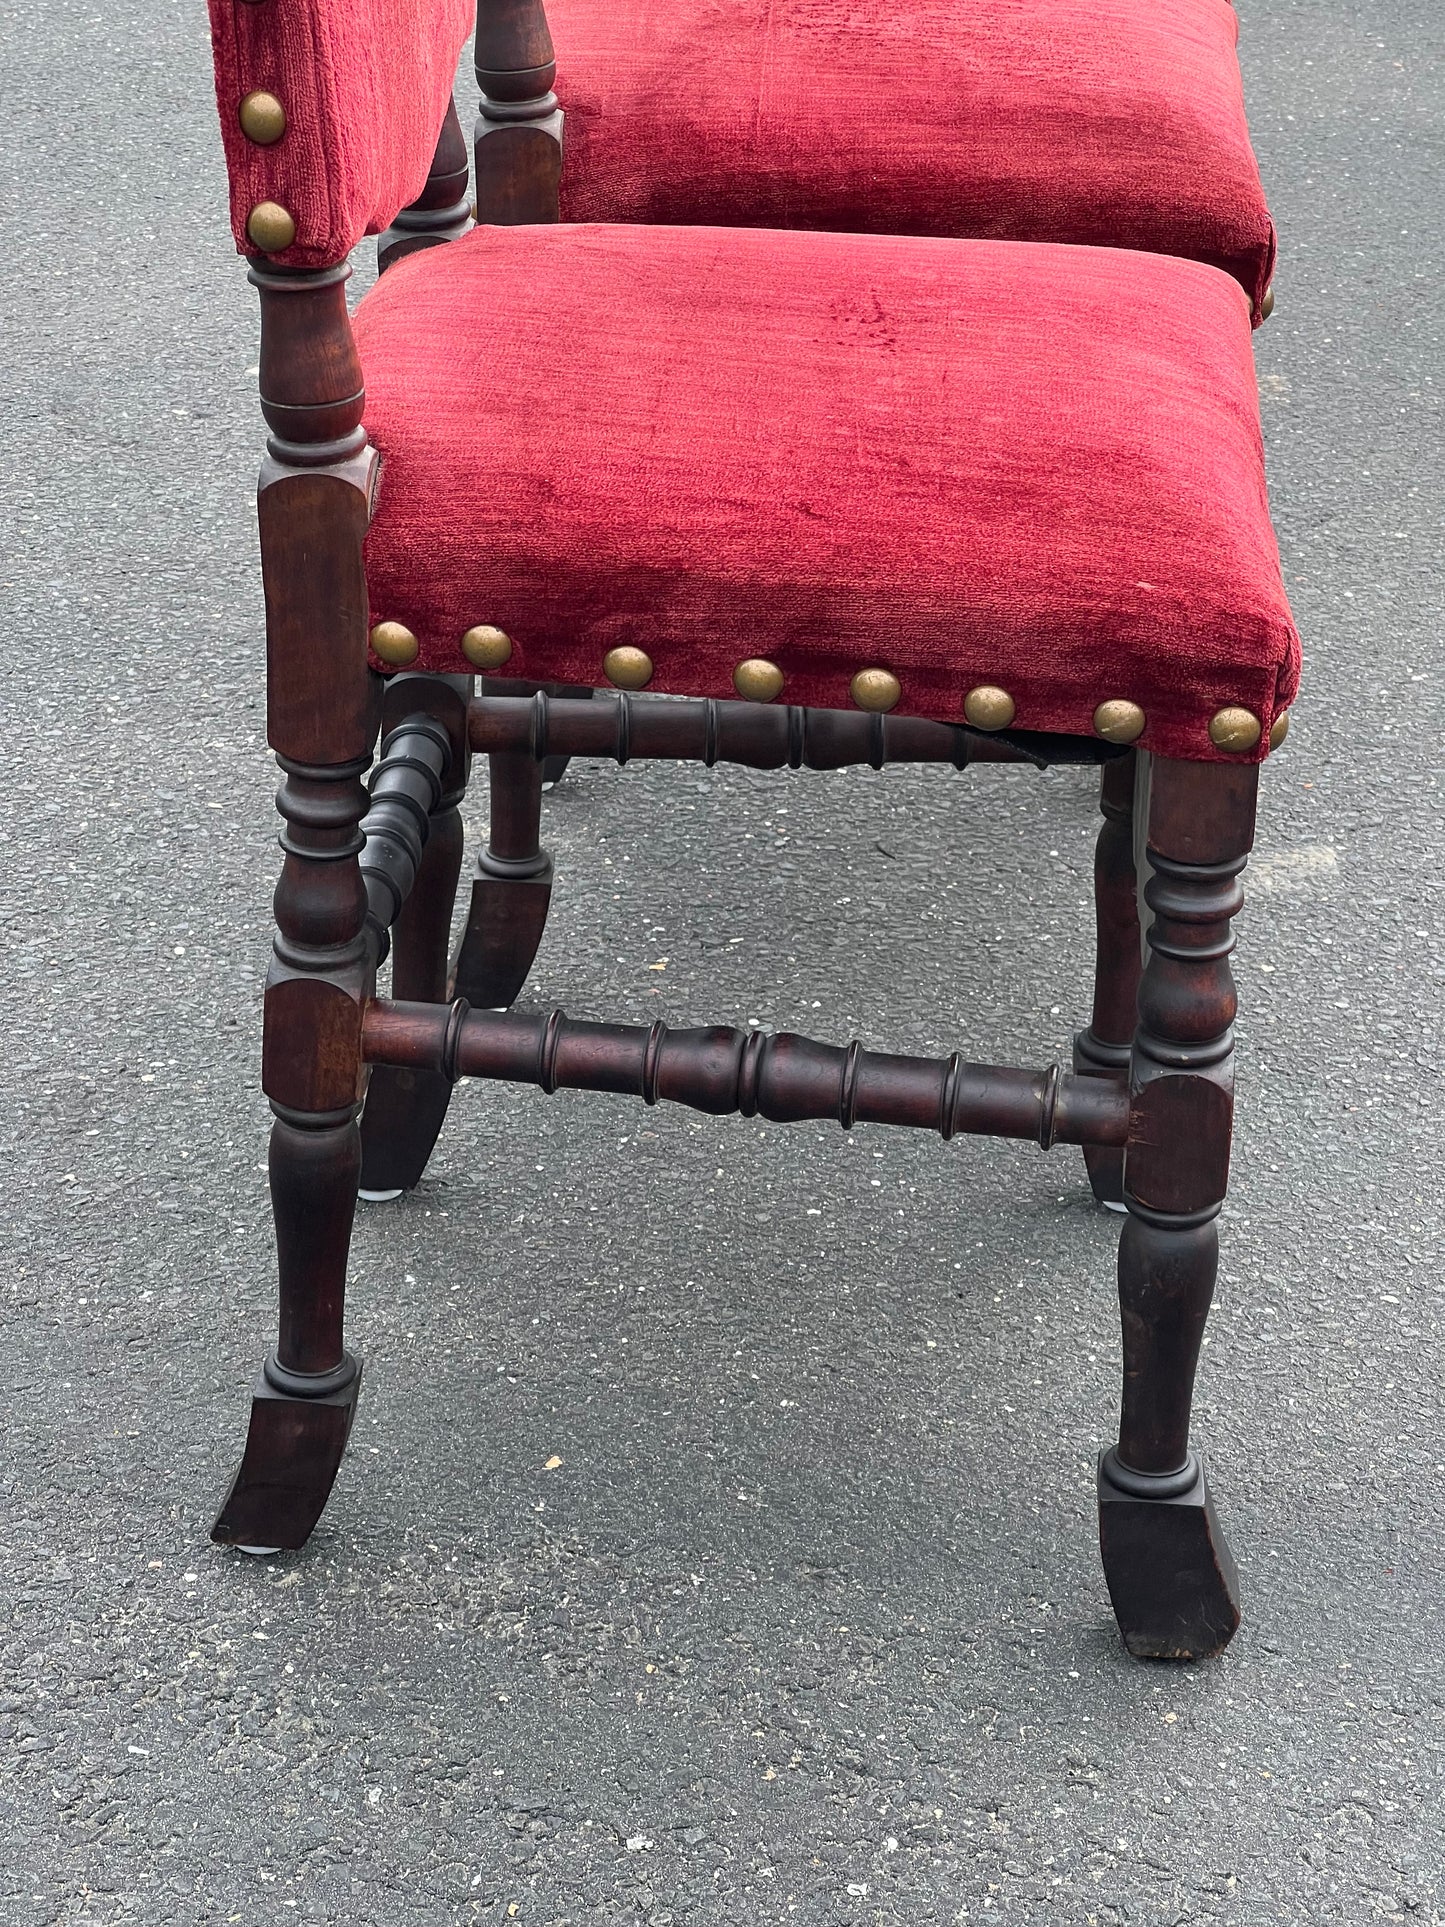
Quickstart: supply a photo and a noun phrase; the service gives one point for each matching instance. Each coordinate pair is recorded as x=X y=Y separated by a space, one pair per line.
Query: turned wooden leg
x=323 y=711
x=1172 y=1581
x=405 y=1109
x=1104 y=1048
x=305 y=1396
x=518 y=133
x=511 y=890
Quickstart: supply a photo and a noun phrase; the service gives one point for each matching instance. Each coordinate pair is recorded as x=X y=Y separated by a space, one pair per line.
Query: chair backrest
x=330 y=112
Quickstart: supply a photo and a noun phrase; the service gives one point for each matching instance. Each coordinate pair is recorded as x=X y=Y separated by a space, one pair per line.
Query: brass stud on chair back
x=271 y=227
x=263 y=119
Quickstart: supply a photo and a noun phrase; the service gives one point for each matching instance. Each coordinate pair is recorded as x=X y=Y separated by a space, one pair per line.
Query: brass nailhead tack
x=1119 y=721
x=395 y=644
x=757 y=681
x=988 y=707
x=1279 y=729
x=486 y=647
x=876 y=689
x=1235 y=730
x=271 y=227
x=263 y=119
x=627 y=668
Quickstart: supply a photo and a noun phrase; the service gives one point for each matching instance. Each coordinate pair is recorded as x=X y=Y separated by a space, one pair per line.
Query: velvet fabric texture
x=1112 y=122
x=364 y=85
x=963 y=461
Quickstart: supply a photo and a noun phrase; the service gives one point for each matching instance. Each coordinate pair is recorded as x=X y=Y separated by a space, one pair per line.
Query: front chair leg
x=1104 y=1048
x=511 y=891
x=1172 y=1581
x=304 y=1398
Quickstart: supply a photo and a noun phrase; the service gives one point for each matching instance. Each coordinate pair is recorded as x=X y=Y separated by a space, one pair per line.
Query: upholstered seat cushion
x=966 y=462
x=1112 y=122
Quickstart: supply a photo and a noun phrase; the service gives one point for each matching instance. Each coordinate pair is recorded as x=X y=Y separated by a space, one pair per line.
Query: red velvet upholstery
x=1114 y=122
x=364 y=84
x=963 y=461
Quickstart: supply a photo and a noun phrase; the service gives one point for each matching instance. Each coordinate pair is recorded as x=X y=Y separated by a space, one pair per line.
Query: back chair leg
x=511 y=891
x=1171 y=1578
x=1104 y=1048
x=405 y=1109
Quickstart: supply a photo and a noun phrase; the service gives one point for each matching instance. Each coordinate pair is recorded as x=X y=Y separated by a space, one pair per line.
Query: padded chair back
x=330 y=112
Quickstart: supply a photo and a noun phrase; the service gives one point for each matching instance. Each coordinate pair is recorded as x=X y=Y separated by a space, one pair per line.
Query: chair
x=1114 y=123
x=951 y=501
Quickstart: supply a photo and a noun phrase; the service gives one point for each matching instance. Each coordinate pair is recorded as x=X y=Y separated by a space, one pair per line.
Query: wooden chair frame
x=359 y=1085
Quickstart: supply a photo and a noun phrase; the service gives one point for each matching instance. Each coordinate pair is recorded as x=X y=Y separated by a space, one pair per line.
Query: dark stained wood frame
x=359 y=1085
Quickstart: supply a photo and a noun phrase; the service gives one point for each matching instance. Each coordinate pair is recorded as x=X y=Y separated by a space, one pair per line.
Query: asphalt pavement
x=717 y=1539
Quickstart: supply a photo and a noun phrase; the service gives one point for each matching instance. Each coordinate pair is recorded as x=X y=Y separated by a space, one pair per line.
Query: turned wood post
x=1105 y=1047
x=442 y=211
x=1169 y=1570
x=323 y=707
x=518 y=134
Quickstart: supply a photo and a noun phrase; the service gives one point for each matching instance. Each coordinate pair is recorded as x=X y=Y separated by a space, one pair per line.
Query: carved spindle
x=518 y=134
x=442 y=211
x=1104 y=1048
x=784 y=1078
x=323 y=707
x=762 y=736
x=1171 y=1578
x=406 y=1107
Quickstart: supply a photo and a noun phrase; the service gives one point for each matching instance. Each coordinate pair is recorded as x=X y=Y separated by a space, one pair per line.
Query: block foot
x=1172 y=1581
x=404 y=1114
x=293 y=1452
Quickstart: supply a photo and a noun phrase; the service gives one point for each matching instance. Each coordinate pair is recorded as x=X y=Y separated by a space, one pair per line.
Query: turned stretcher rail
x=782 y=1077
x=699 y=729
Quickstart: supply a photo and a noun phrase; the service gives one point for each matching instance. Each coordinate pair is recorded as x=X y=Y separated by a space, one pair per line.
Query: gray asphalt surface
x=808 y=1624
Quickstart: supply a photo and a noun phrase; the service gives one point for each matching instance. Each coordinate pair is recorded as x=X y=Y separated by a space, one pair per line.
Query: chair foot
x=293 y=1452
x=400 y=1124
x=502 y=938
x=1172 y=1581
x=554 y=768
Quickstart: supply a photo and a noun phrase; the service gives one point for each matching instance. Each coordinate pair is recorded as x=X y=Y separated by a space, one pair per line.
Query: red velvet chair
x=1115 y=123
x=907 y=498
